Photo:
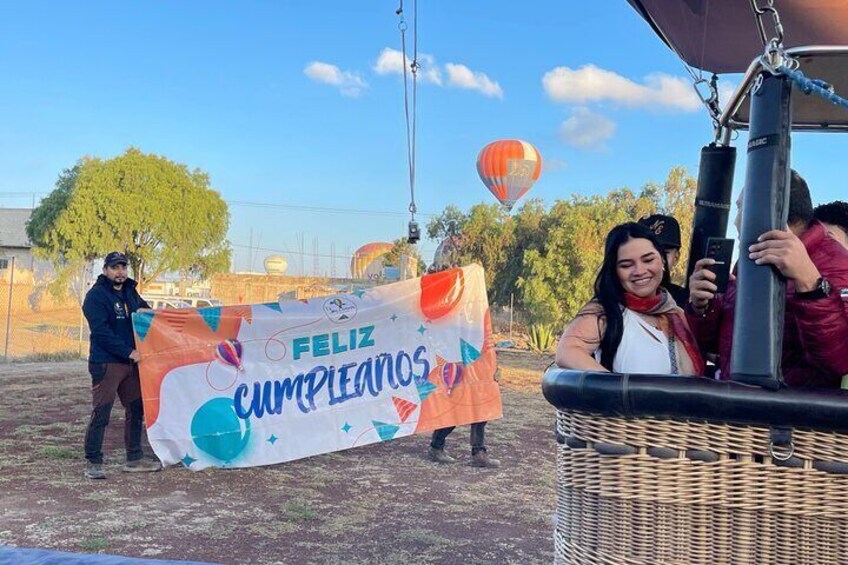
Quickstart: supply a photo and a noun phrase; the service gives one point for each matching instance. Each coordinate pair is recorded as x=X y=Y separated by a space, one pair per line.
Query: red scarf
x=659 y=305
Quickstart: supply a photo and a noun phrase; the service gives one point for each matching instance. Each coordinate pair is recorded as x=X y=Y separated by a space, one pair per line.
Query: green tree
x=402 y=247
x=447 y=224
x=529 y=232
x=676 y=197
x=559 y=277
x=162 y=215
x=485 y=236
x=45 y=215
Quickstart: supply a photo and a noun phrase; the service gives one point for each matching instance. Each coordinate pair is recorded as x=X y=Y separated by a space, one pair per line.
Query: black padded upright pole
x=712 y=200
x=761 y=293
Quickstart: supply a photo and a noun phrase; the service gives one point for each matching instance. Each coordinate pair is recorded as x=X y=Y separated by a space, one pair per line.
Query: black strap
x=780 y=437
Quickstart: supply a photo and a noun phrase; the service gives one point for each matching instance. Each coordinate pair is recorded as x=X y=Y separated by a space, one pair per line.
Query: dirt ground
x=382 y=504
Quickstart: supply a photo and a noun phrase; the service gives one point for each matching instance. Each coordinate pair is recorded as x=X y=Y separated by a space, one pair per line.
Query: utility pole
x=9 y=311
x=315 y=264
x=182 y=246
x=81 y=299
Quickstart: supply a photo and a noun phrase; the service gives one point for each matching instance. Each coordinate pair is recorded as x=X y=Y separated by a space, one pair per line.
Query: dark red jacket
x=815 y=334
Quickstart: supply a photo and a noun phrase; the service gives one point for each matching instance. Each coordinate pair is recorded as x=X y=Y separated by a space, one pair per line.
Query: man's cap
x=665 y=228
x=115 y=258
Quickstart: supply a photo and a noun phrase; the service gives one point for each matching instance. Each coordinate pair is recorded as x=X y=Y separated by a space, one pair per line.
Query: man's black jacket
x=109 y=314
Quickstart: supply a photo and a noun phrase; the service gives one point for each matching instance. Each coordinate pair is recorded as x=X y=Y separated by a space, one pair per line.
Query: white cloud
x=348 y=83
x=390 y=61
x=725 y=91
x=463 y=77
x=592 y=84
x=586 y=130
x=553 y=164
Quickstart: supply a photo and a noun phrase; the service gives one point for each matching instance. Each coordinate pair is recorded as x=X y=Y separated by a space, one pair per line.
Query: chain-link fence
x=37 y=326
x=34 y=324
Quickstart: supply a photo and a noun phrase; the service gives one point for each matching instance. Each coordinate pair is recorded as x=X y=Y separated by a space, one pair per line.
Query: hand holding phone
x=720 y=250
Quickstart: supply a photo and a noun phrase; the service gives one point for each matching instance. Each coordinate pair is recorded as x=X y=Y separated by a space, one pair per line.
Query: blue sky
x=295 y=103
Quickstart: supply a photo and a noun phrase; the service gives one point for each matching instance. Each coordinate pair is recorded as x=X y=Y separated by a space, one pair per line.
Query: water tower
x=276 y=265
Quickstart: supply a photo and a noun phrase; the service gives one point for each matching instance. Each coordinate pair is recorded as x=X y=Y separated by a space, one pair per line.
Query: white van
x=158 y=303
x=202 y=302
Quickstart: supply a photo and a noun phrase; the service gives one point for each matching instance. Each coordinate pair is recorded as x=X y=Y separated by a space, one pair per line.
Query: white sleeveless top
x=643 y=348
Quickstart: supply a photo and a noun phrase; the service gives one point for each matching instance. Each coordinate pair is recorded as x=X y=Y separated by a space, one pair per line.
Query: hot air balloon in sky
x=508 y=168
x=367 y=262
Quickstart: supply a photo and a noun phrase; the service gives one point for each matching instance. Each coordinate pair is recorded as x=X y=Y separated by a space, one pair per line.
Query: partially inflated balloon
x=508 y=168
x=367 y=261
x=441 y=292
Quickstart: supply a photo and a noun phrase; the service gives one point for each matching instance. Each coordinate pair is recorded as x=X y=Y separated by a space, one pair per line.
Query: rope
x=410 y=124
x=813 y=86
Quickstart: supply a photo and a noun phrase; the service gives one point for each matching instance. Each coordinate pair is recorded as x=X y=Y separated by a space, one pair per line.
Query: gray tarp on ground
x=721 y=36
x=20 y=556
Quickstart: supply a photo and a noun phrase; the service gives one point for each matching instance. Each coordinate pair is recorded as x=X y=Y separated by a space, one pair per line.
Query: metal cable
x=410 y=124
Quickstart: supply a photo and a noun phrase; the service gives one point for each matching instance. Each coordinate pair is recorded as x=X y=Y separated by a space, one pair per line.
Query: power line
x=321 y=209
x=249 y=204
x=324 y=255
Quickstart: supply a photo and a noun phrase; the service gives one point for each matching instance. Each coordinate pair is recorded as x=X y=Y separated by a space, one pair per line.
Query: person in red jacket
x=834 y=216
x=815 y=346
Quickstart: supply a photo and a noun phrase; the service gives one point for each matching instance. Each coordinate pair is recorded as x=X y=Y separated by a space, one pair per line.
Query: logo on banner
x=339 y=309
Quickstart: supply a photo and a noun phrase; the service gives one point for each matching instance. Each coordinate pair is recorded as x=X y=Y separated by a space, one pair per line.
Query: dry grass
x=383 y=503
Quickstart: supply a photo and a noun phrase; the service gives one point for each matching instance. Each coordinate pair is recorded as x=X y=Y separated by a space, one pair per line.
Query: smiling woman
x=632 y=325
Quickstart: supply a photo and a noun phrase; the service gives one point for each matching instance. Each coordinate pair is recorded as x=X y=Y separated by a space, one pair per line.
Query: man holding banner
x=112 y=359
x=479 y=455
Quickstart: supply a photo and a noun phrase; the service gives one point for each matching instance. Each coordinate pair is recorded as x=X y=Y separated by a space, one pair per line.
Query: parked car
x=159 y=303
x=203 y=302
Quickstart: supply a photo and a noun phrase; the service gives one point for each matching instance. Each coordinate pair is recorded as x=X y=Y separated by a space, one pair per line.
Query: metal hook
x=782 y=456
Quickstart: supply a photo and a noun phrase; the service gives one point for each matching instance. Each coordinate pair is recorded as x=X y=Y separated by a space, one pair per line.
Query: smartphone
x=721 y=250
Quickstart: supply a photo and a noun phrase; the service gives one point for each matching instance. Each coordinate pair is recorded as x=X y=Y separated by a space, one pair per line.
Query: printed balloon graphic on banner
x=217 y=430
x=229 y=352
x=441 y=292
x=451 y=375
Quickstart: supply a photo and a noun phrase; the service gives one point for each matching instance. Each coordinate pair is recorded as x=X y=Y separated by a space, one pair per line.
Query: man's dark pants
x=478 y=437
x=107 y=381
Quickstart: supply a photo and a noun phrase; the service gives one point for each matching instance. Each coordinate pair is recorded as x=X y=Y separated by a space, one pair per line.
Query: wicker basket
x=649 y=491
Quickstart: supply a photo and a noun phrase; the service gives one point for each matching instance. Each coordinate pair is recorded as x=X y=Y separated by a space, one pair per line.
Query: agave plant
x=541 y=337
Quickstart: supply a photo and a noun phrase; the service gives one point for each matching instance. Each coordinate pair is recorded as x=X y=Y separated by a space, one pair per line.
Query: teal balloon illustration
x=217 y=430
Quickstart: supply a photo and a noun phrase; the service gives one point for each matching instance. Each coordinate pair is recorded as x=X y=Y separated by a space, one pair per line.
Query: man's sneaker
x=440 y=456
x=482 y=459
x=141 y=466
x=94 y=471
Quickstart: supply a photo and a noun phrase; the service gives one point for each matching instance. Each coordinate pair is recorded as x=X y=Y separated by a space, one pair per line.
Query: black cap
x=115 y=258
x=665 y=228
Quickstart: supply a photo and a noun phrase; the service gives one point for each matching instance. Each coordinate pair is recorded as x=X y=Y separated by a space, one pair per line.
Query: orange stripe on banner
x=476 y=398
x=404 y=408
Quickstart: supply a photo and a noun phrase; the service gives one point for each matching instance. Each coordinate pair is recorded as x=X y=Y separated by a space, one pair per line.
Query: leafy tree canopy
x=402 y=248
x=548 y=258
x=162 y=215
